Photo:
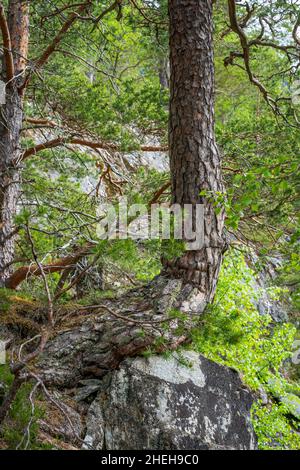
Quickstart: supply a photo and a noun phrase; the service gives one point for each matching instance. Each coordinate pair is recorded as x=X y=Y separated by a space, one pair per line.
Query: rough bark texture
x=18 y=23
x=155 y=404
x=11 y=117
x=194 y=157
x=10 y=127
x=101 y=337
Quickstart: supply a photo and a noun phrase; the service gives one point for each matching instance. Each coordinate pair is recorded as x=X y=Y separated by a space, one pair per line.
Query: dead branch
x=60 y=141
x=236 y=27
x=26 y=434
x=77 y=279
x=42 y=272
x=246 y=45
x=40 y=122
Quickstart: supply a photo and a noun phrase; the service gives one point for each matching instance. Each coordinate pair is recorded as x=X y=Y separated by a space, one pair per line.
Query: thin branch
x=43 y=59
x=236 y=27
x=26 y=434
x=42 y=272
x=159 y=193
x=77 y=278
x=116 y=4
x=40 y=122
x=60 y=407
x=61 y=10
x=128 y=319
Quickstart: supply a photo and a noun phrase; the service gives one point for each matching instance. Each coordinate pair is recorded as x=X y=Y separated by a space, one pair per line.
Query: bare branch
x=42 y=272
x=34 y=270
x=40 y=122
x=159 y=193
x=236 y=27
x=77 y=278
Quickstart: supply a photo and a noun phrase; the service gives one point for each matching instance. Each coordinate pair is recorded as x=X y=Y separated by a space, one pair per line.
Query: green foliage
x=172 y=249
x=19 y=416
x=5 y=301
x=141 y=260
x=233 y=333
x=103 y=82
x=273 y=427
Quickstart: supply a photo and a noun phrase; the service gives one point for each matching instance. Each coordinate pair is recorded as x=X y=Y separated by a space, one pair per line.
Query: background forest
x=96 y=128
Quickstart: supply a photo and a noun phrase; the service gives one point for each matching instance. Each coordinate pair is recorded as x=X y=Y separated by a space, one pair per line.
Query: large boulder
x=183 y=402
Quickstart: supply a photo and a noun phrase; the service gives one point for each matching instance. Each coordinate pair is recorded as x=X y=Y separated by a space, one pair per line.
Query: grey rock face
x=266 y=305
x=276 y=309
x=159 y=403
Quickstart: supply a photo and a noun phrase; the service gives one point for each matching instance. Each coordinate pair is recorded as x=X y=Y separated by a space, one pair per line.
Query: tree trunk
x=11 y=118
x=10 y=126
x=194 y=157
x=99 y=337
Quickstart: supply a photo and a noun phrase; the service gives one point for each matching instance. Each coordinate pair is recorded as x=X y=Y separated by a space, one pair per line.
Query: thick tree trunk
x=99 y=337
x=10 y=126
x=194 y=157
x=92 y=340
x=11 y=118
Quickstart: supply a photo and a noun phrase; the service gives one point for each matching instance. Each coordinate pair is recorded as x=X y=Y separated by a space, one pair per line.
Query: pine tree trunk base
x=94 y=340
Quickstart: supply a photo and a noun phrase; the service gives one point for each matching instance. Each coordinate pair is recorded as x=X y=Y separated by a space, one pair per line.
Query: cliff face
x=159 y=403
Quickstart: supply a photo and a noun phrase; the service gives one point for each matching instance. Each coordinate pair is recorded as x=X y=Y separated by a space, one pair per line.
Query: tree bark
x=10 y=126
x=99 y=337
x=92 y=340
x=11 y=117
x=194 y=157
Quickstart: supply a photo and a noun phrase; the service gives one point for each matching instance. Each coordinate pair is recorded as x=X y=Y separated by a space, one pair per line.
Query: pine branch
x=60 y=141
x=60 y=35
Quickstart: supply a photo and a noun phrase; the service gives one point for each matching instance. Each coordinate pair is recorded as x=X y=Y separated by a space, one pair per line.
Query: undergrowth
x=15 y=431
x=234 y=333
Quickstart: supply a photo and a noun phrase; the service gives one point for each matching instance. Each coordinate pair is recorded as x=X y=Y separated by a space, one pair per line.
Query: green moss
x=5 y=301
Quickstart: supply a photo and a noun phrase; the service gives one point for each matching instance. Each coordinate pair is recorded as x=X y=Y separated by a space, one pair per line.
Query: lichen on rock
x=163 y=403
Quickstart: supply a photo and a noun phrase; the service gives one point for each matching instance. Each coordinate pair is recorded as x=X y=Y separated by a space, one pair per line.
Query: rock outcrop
x=183 y=402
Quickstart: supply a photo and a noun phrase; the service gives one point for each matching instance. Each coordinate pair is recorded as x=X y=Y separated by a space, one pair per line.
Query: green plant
x=233 y=333
x=19 y=416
